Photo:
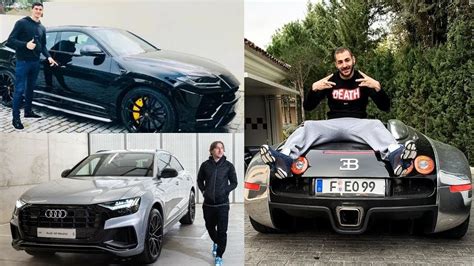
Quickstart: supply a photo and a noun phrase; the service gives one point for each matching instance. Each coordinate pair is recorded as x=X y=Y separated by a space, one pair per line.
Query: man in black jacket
x=28 y=38
x=216 y=179
x=348 y=92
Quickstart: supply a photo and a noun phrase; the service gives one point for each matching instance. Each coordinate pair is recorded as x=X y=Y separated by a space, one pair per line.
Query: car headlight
x=201 y=81
x=19 y=203
x=123 y=206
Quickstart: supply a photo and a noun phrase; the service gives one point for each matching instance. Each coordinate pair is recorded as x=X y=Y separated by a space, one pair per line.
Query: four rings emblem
x=55 y=213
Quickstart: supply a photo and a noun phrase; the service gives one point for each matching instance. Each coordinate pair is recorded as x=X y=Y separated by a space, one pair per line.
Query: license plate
x=354 y=187
x=56 y=233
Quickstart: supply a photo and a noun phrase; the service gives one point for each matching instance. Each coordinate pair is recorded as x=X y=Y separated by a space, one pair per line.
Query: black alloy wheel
x=153 y=238
x=7 y=86
x=189 y=217
x=147 y=110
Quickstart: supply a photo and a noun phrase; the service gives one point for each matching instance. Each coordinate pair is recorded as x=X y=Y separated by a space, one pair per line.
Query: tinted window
x=176 y=165
x=116 y=164
x=123 y=42
x=50 y=39
x=72 y=42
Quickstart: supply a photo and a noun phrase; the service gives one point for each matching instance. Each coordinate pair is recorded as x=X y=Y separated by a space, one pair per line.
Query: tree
x=293 y=45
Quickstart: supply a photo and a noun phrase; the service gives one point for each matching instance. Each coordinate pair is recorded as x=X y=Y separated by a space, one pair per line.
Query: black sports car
x=349 y=185
x=111 y=74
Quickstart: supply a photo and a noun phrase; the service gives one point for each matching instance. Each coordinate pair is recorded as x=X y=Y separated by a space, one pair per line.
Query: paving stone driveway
x=386 y=244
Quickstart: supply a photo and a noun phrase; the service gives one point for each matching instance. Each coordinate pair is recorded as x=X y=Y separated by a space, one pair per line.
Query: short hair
x=214 y=145
x=342 y=50
x=36 y=4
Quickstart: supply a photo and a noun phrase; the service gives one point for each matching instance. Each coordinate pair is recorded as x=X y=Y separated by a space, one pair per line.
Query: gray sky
x=264 y=17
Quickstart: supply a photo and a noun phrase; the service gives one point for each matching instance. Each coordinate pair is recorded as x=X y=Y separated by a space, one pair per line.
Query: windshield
x=123 y=42
x=115 y=164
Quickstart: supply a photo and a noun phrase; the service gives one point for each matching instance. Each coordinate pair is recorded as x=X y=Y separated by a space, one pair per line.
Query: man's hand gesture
x=31 y=45
x=323 y=84
x=368 y=82
x=52 y=62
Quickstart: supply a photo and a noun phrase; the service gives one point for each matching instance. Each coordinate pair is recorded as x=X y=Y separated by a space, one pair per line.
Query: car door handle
x=63 y=66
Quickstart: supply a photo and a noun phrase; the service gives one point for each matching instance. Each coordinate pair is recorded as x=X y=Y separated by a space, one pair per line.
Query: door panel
x=85 y=79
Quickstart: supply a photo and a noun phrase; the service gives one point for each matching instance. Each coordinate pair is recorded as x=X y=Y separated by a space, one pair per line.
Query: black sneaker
x=17 y=124
x=280 y=163
x=402 y=158
x=32 y=115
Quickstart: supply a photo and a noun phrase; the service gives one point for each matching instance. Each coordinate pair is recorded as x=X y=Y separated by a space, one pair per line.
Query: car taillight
x=460 y=188
x=424 y=164
x=299 y=166
x=252 y=186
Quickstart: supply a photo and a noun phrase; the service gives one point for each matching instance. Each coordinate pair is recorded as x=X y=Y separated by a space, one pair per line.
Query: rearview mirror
x=168 y=173
x=91 y=50
x=65 y=172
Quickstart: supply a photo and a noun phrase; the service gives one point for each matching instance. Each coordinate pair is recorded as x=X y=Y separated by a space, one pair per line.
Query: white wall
x=28 y=159
x=207 y=28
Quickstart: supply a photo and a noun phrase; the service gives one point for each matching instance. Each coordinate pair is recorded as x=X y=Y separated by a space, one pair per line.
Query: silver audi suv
x=120 y=202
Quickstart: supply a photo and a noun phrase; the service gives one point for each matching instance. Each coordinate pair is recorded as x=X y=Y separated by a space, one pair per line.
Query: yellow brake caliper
x=137 y=109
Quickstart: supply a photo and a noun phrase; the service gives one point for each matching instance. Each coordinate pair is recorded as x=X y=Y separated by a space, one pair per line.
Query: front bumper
x=95 y=232
x=205 y=110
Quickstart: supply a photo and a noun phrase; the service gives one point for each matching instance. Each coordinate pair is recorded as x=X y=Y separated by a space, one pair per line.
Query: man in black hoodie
x=216 y=179
x=28 y=38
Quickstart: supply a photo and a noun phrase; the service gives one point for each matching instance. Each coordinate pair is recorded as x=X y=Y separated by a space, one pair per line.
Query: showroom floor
x=183 y=245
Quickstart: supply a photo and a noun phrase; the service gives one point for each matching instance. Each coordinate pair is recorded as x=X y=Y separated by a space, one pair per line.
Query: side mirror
x=91 y=50
x=65 y=172
x=168 y=173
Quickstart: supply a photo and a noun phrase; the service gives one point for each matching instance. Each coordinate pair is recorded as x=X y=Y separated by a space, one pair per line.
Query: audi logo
x=55 y=213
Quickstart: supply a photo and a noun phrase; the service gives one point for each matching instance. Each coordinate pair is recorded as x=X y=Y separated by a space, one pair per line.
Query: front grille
x=210 y=103
x=87 y=220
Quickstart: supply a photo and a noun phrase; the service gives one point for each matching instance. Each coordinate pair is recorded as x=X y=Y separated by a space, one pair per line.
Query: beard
x=346 y=72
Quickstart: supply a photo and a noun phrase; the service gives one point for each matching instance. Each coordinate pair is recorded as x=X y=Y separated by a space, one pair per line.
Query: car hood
x=86 y=190
x=178 y=63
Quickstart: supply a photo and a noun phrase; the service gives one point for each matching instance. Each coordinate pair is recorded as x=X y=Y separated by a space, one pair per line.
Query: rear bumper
x=427 y=212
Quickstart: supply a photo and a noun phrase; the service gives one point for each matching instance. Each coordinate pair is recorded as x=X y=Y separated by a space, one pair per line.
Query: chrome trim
x=449 y=215
x=257 y=203
x=55 y=213
x=73 y=112
x=68 y=99
x=217 y=110
x=360 y=214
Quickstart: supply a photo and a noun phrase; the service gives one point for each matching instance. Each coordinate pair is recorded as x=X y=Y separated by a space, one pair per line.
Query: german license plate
x=56 y=233
x=354 y=187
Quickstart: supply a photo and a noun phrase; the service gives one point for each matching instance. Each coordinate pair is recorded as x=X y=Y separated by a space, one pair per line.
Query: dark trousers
x=217 y=219
x=26 y=73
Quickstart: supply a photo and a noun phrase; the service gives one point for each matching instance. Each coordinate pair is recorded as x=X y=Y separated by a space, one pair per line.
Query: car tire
x=153 y=238
x=148 y=110
x=458 y=231
x=263 y=228
x=189 y=217
x=7 y=86
x=39 y=253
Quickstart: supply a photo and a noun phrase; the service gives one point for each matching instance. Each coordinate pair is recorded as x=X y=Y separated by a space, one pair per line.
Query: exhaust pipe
x=349 y=215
